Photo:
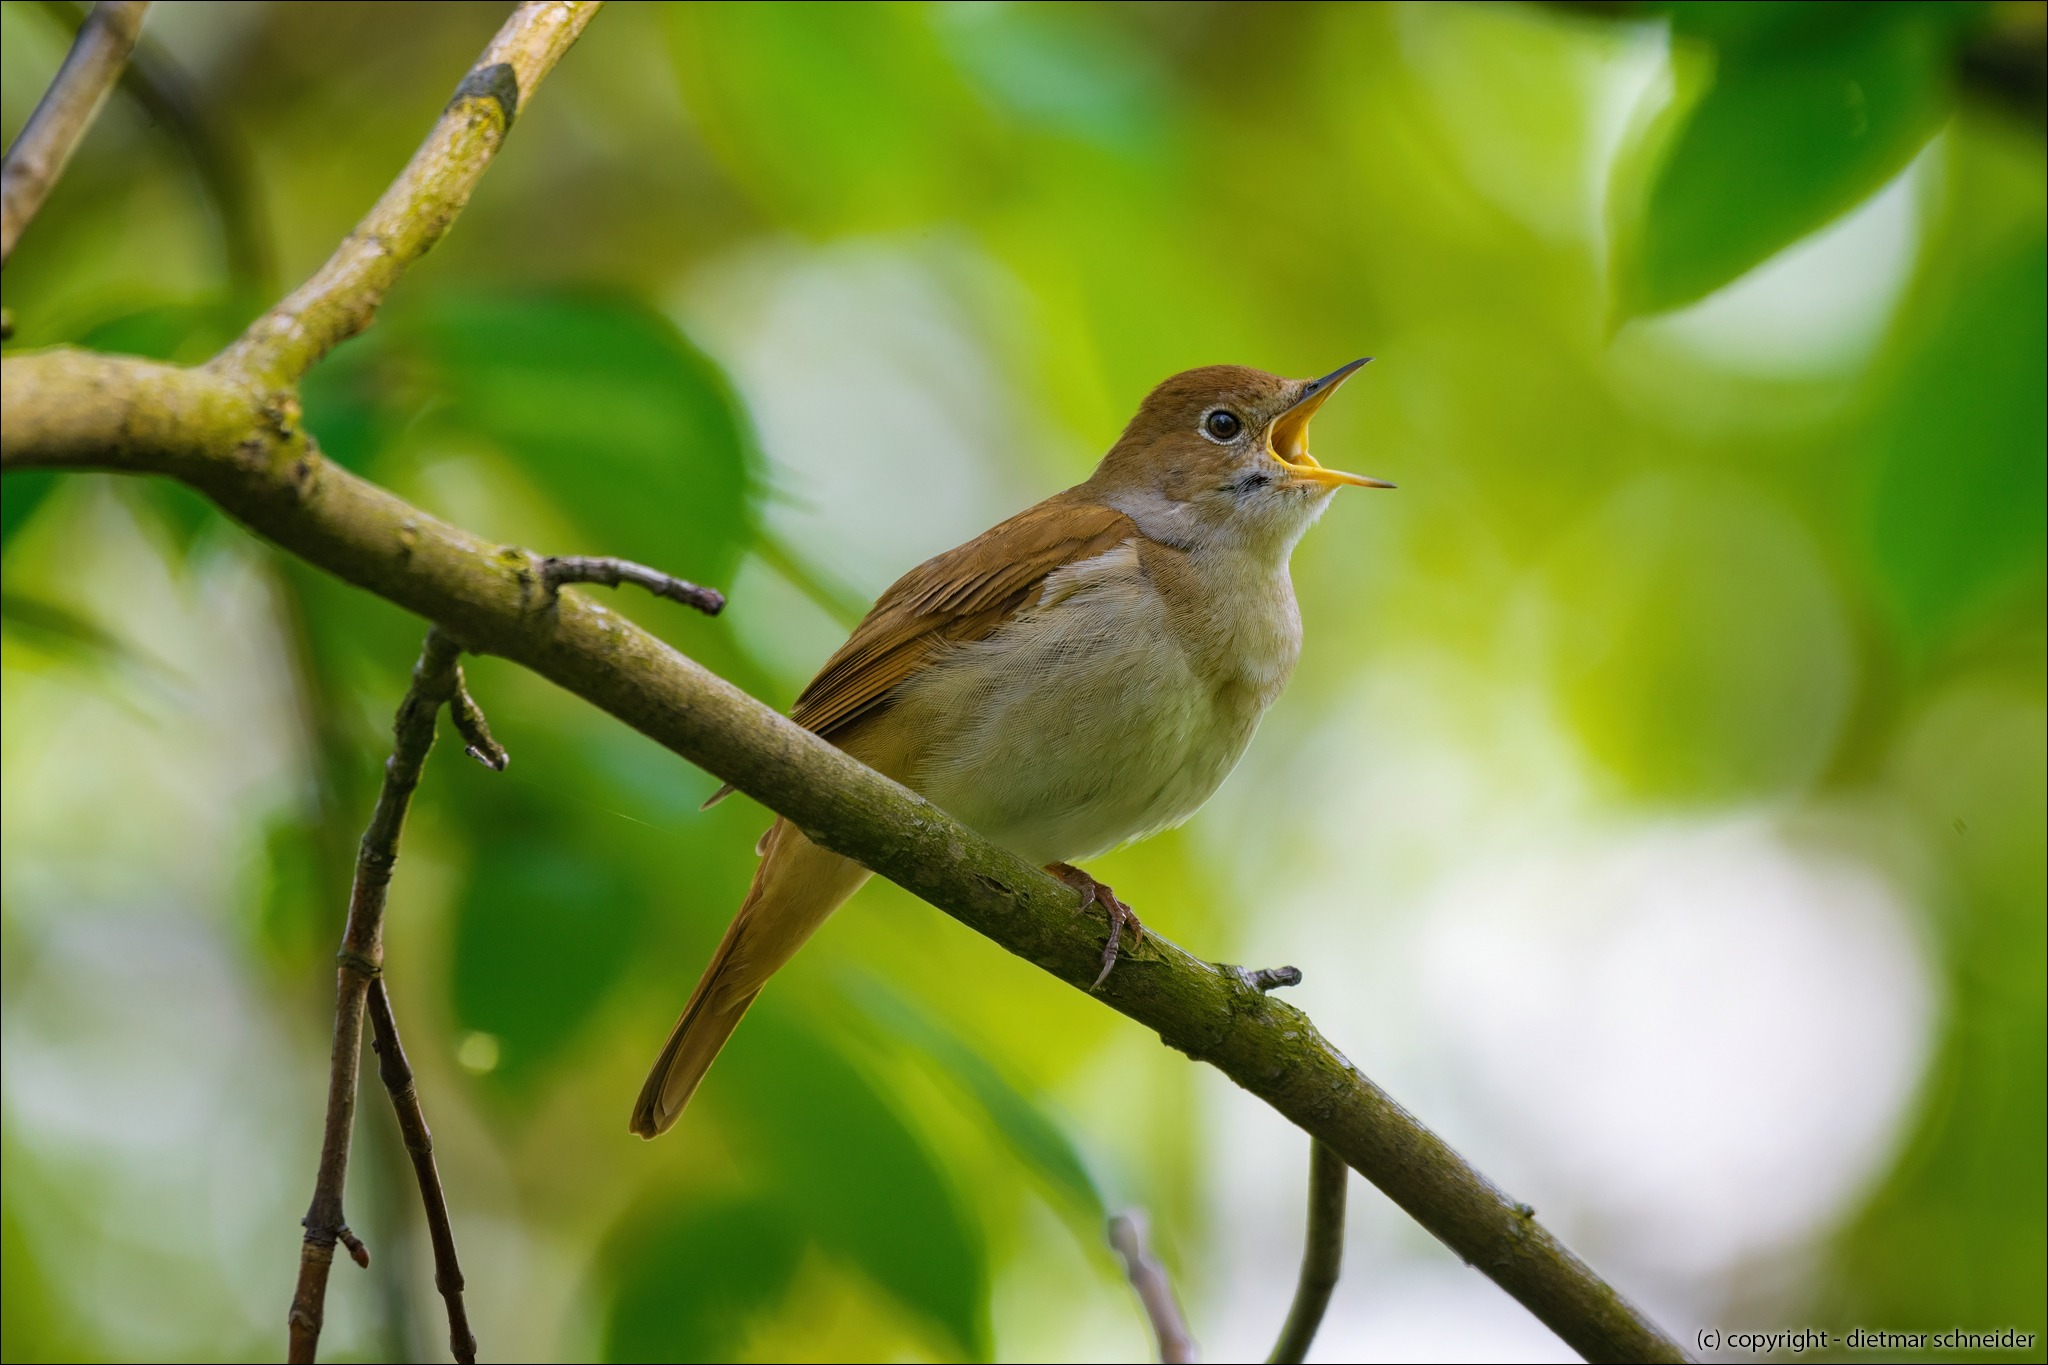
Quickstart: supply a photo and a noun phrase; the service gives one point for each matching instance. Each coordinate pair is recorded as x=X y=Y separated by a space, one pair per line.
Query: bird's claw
x=1120 y=914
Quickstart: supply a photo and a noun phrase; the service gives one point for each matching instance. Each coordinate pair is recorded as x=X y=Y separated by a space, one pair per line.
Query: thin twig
x=435 y=679
x=558 y=570
x=1155 y=1290
x=396 y=1073
x=418 y=207
x=1265 y=979
x=54 y=130
x=1321 y=1257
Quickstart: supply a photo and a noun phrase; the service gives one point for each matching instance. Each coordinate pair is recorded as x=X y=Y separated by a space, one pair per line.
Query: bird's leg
x=1094 y=893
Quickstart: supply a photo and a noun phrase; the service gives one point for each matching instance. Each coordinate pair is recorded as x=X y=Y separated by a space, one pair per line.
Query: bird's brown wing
x=962 y=595
x=953 y=598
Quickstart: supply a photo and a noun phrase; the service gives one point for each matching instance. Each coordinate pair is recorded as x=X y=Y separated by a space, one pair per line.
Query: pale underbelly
x=1074 y=732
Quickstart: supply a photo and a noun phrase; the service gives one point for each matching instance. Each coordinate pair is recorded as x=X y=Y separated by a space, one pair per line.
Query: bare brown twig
x=558 y=570
x=436 y=679
x=1321 y=1257
x=67 y=108
x=1127 y=1235
x=396 y=1072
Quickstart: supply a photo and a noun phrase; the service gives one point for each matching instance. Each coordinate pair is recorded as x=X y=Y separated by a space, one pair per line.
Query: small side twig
x=436 y=681
x=67 y=109
x=1321 y=1258
x=1265 y=979
x=396 y=1072
x=557 y=570
x=1155 y=1291
x=475 y=731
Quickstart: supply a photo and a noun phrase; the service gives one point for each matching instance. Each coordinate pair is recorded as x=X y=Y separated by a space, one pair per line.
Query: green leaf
x=1030 y=1132
x=853 y=1174
x=633 y=434
x=352 y=403
x=1785 y=119
x=1699 y=647
x=691 y=1277
x=1960 y=448
x=546 y=927
x=66 y=633
x=21 y=494
x=182 y=332
x=36 y=1325
x=838 y=117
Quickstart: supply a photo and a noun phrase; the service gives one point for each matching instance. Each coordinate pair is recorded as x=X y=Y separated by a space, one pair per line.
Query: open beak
x=1288 y=437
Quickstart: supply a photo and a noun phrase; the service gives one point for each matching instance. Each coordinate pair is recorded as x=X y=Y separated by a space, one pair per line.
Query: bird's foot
x=1098 y=893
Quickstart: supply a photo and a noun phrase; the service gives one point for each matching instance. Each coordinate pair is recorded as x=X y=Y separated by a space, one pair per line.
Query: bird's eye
x=1222 y=425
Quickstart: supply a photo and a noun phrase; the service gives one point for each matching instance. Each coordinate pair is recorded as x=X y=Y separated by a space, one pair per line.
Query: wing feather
x=962 y=595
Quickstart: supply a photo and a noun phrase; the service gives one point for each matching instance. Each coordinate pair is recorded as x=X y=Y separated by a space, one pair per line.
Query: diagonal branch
x=232 y=430
x=69 y=409
x=67 y=108
x=416 y=210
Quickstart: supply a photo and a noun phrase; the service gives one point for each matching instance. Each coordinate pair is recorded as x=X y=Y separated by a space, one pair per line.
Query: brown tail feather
x=797 y=885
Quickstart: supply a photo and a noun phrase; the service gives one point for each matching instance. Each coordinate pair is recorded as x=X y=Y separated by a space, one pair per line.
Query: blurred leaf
x=1031 y=1133
x=1960 y=448
x=1954 y=1234
x=34 y=1326
x=69 y=634
x=21 y=493
x=350 y=408
x=635 y=432
x=1059 y=69
x=839 y=117
x=854 y=1175
x=632 y=433
x=545 y=928
x=185 y=333
x=1700 y=650
x=1794 y=114
x=298 y=911
x=693 y=1276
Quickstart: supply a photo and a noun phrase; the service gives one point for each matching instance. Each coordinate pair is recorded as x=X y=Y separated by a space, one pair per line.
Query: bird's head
x=1218 y=457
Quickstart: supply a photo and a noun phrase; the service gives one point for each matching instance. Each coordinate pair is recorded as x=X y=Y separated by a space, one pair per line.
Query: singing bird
x=1081 y=676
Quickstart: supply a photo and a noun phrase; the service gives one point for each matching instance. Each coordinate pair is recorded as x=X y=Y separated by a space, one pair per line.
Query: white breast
x=1091 y=720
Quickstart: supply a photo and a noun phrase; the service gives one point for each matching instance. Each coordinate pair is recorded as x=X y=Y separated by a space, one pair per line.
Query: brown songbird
x=1083 y=675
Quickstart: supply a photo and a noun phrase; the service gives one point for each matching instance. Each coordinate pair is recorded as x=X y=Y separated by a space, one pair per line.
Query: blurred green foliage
x=1794 y=112
x=1817 y=589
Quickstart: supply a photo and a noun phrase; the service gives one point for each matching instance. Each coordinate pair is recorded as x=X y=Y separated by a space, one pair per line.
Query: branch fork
x=436 y=682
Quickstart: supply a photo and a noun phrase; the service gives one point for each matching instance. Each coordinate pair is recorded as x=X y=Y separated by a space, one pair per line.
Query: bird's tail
x=797 y=885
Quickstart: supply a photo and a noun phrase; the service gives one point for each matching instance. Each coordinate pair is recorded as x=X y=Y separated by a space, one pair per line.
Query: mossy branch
x=246 y=451
x=232 y=430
